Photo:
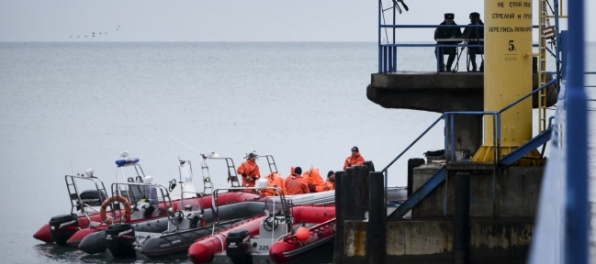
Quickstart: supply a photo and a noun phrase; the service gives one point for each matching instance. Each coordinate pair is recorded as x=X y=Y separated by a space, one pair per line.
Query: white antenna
x=189 y=147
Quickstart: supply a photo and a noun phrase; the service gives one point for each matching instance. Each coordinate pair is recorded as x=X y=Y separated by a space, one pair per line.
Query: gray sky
x=232 y=20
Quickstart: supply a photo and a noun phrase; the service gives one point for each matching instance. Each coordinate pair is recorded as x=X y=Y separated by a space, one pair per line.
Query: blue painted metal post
x=577 y=208
x=379 y=38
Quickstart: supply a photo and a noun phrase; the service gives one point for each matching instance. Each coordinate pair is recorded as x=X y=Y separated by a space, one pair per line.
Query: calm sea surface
x=67 y=107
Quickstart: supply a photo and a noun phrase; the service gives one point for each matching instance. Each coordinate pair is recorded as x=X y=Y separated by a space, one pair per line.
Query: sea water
x=67 y=107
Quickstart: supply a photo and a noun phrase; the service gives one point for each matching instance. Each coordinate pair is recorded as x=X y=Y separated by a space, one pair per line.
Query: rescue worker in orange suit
x=317 y=180
x=295 y=184
x=274 y=180
x=249 y=170
x=330 y=182
x=314 y=180
x=355 y=159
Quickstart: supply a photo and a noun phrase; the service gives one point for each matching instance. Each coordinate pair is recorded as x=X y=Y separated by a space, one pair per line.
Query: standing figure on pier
x=447 y=34
x=355 y=159
x=475 y=36
x=249 y=170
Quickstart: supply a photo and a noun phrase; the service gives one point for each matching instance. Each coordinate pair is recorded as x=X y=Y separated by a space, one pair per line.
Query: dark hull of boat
x=209 y=249
x=173 y=243
x=225 y=198
x=160 y=241
x=180 y=242
x=94 y=243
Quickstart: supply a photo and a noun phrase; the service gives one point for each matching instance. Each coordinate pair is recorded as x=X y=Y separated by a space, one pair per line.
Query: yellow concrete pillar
x=507 y=74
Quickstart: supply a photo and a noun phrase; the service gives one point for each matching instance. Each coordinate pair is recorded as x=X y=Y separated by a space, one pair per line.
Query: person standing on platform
x=249 y=170
x=295 y=184
x=443 y=34
x=475 y=36
x=355 y=159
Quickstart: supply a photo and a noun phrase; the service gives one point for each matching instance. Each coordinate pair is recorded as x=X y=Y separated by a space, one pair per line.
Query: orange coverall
x=313 y=177
x=295 y=184
x=274 y=180
x=249 y=170
x=329 y=185
x=354 y=159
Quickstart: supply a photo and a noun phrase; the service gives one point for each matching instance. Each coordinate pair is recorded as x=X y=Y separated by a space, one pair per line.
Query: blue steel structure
x=576 y=242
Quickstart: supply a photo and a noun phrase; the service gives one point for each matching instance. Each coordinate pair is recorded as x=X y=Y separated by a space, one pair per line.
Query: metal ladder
x=207 y=185
x=73 y=192
x=542 y=78
x=232 y=175
x=546 y=32
x=271 y=163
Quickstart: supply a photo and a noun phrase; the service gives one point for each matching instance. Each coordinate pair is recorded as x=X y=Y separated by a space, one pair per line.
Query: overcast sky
x=218 y=20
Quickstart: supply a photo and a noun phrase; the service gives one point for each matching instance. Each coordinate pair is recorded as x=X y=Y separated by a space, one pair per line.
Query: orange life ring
x=127 y=208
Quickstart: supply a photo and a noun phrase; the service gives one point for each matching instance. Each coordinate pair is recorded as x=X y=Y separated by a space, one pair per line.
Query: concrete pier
x=436 y=92
x=442 y=92
x=500 y=219
x=473 y=213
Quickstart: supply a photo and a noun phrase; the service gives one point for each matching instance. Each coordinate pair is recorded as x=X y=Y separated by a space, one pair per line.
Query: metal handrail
x=496 y=142
x=385 y=170
x=286 y=203
x=387 y=61
x=496 y=119
x=528 y=95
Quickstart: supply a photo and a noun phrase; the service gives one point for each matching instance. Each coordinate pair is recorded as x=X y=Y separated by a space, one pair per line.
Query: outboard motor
x=238 y=246
x=120 y=239
x=62 y=227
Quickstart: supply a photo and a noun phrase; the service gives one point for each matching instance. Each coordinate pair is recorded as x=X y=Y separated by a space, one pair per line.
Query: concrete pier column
x=352 y=193
x=375 y=246
x=370 y=165
x=467 y=134
x=413 y=163
x=340 y=213
x=462 y=218
x=362 y=174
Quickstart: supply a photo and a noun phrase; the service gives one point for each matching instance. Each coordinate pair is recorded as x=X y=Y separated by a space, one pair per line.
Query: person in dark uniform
x=442 y=36
x=475 y=36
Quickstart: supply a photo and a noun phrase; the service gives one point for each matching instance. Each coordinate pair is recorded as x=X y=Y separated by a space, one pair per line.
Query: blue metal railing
x=450 y=141
x=388 y=59
x=388 y=51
